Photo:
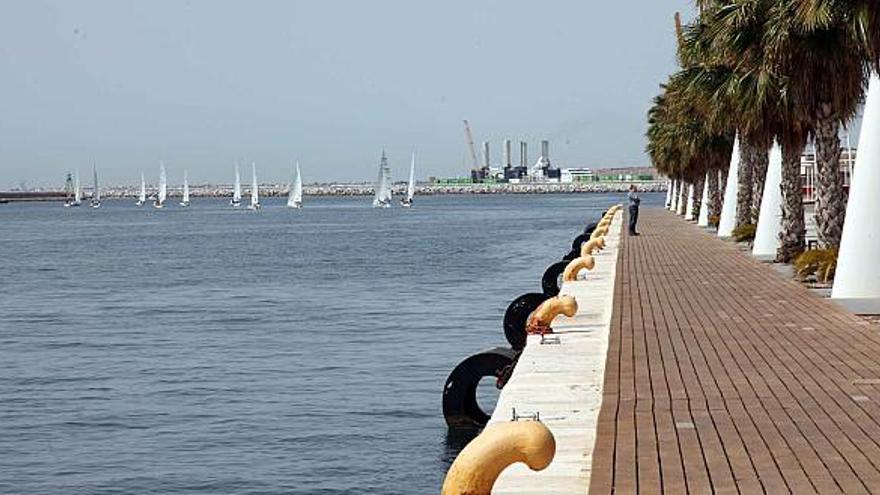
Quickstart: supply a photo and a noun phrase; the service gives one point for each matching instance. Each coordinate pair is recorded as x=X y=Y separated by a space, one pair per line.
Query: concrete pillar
x=668 y=192
x=703 y=220
x=728 y=209
x=770 y=220
x=689 y=210
x=857 y=279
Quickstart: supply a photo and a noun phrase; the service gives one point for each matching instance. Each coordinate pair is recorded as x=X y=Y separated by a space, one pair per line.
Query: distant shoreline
x=271 y=190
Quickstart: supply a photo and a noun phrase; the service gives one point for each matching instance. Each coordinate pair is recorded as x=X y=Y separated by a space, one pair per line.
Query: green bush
x=819 y=263
x=744 y=232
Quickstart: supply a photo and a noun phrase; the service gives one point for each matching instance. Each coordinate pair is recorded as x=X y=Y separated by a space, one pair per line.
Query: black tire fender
x=460 y=407
x=550 y=280
x=517 y=314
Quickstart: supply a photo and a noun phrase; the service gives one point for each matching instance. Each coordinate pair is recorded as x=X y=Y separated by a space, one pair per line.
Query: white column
x=668 y=192
x=680 y=206
x=857 y=280
x=674 y=201
x=767 y=240
x=728 y=209
x=689 y=211
x=703 y=220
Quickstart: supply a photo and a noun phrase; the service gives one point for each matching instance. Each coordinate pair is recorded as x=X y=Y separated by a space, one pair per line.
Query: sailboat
x=236 y=191
x=383 y=185
x=185 y=201
x=77 y=190
x=294 y=200
x=407 y=201
x=255 y=198
x=68 y=191
x=96 y=192
x=163 y=188
x=142 y=196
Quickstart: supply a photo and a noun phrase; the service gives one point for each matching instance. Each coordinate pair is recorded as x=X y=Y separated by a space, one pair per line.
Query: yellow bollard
x=576 y=265
x=603 y=223
x=480 y=463
x=592 y=246
x=540 y=319
x=599 y=232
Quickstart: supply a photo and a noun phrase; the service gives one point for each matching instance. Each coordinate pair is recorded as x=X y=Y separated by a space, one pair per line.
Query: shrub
x=819 y=263
x=744 y=232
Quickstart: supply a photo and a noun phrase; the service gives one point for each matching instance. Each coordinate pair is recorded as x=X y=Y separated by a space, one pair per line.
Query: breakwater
x=273 y=190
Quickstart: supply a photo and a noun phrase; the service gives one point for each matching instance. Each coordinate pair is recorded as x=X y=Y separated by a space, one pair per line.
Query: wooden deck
x=723 y=376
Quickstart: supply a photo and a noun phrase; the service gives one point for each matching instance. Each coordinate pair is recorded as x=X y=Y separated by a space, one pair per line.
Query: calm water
x=212 y=351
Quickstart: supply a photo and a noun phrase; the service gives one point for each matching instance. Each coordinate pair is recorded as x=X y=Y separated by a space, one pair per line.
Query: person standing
x=634 y=201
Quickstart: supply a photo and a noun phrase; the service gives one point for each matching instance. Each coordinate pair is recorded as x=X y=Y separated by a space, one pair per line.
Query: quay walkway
x=722 y=376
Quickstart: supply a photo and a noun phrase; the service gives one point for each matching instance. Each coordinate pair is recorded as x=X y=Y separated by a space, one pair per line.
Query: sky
x=200 y=84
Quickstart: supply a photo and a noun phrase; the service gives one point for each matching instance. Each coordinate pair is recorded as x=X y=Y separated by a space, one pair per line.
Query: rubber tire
x=571 y=255
x=580 y=239
x=590 y=228
x=550 y=280
x=517 y=314
x=460 y=407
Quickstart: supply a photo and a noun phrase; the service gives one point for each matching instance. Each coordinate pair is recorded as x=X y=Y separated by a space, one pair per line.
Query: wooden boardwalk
x=723 y=376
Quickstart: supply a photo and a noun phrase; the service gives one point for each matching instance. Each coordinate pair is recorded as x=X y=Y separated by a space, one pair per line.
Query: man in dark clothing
x=634 y=201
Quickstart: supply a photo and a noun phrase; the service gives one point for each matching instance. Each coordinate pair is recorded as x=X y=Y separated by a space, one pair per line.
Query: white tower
x=770 y=220
x=728 y=209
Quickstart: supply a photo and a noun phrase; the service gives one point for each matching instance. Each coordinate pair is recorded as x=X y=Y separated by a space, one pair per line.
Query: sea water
x=207 y=350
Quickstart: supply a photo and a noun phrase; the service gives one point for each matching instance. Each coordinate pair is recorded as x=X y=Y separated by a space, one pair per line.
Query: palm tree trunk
x=748 y=155
x=830 y=206
x=698 y=196
x=682 y=198
x=759 y=175
x=793 y=229
x=714 y=194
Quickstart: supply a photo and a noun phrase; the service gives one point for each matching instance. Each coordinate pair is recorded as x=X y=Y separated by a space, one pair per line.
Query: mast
x=380 y=181
x=142 y=197
x=295 y=197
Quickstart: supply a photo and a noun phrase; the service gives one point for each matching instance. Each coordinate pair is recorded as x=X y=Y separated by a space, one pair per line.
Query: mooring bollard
x=593 y=245
x=599 y=232
x=571 y=271
x=539 y=321
x=478 y=466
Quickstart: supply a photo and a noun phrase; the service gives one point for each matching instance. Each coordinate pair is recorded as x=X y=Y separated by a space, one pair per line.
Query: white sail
x=77 y=190
x=236 y=190
x=255 y=197
x=142 y=197
x=294 y=200
x=163 y=186
x=383 y=184
x=411 y=185
x=185 y=200
x=96 y=192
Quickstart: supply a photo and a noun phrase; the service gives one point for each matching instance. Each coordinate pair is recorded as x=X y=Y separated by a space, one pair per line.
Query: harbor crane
x=470 y=142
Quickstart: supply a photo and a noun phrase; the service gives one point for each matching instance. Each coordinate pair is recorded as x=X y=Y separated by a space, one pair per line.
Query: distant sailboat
x=236 y=191
x=163 y=187
x=142 y=196
x=383 y=185
x=185 y=201
x=68 y=191
x=96 y=192
x=407 y=201
x=255 y=197
x=294 y=200
x=77 y=190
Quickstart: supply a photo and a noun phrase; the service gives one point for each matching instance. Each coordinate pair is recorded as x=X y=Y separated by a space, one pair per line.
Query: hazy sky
x=202 y=83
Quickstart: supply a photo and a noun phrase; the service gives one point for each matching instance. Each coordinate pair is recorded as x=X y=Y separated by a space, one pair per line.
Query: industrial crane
x=470 y=142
